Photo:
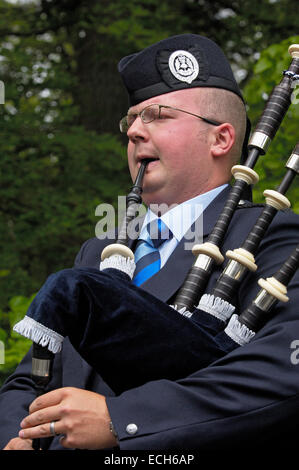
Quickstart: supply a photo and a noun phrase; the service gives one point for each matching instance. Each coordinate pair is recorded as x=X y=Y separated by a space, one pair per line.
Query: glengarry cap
x=176 y=63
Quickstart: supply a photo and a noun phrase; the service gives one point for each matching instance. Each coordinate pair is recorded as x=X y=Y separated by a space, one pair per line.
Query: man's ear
x=224 y=137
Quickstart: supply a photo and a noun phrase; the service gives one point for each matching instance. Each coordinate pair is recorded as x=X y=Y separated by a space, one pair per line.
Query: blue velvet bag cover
x=126 y=334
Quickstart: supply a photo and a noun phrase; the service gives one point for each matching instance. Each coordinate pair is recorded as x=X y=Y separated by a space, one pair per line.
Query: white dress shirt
x=179 y=220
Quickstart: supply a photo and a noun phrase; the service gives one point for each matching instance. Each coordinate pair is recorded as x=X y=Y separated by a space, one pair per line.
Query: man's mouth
x=150 y=160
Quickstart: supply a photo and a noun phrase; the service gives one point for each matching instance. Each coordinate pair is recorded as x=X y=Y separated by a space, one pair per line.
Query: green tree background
x=60 y=151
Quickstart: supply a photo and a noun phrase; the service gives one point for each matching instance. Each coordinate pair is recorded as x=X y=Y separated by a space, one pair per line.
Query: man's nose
x=138 y=131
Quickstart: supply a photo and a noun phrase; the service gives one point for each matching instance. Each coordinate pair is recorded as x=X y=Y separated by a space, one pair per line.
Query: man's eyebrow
x=132 y=111
x=136 y=110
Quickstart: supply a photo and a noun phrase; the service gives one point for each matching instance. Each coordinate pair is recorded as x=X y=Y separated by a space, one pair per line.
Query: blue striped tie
x=147 y=256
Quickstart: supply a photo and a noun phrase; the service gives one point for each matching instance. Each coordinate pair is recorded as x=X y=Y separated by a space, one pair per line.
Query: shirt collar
x=180 y=218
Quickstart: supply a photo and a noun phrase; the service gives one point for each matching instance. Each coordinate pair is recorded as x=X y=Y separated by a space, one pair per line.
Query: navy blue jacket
x=248 y=398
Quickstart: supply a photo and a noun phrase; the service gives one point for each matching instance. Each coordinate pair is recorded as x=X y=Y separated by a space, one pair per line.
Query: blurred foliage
x=60 y=152
x=15 y=346
x=267 y=73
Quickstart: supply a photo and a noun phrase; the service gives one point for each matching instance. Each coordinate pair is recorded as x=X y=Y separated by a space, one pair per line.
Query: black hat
x=176 y=63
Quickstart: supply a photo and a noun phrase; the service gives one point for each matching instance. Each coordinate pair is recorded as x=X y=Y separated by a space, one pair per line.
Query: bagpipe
x=129 y=336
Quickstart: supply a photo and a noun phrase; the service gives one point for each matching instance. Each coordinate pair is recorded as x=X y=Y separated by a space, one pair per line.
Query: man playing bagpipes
x=187 y=116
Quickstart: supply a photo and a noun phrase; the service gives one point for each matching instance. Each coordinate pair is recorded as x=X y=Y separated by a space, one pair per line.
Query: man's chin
x=157 y=202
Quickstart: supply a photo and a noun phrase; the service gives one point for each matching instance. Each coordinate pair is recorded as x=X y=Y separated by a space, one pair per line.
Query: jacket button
x=131 y=428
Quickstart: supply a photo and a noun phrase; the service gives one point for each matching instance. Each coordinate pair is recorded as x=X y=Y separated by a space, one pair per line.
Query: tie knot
x=158 y=232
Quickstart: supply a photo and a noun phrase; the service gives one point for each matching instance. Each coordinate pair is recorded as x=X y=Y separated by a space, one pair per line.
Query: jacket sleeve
x=16 y=395
x=250 y=396
x=69 y=370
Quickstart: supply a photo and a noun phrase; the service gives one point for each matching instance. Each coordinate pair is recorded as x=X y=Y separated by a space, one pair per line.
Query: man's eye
x=151 y=116
x=131 y=118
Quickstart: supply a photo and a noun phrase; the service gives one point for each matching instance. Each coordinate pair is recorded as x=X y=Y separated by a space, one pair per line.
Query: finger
x=48 y=399
x=65 y=442
x=19 y=444
x=42 y=416
x=40 y=431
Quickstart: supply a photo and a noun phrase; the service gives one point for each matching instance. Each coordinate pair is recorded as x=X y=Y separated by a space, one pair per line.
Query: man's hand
x=81 y=417
x=19 y=444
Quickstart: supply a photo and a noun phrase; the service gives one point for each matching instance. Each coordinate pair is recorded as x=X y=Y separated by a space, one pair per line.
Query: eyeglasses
x=155 y=111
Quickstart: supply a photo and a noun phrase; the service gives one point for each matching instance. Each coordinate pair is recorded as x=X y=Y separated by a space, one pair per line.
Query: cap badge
x=183 y=66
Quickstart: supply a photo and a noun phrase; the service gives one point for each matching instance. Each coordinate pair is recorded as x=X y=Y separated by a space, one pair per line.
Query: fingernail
x=21 y=434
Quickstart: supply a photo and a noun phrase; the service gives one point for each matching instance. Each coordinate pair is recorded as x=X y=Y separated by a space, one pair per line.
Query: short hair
x=225 y=106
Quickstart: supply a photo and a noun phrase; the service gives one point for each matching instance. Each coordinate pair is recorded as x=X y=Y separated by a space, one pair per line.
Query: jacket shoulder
x=90 y=252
